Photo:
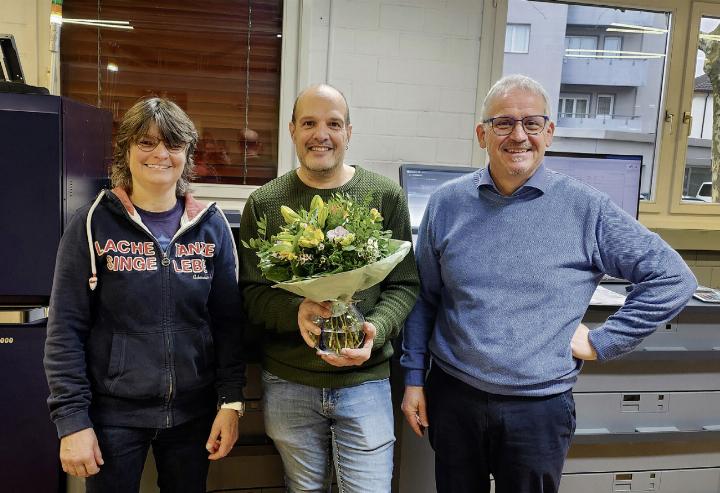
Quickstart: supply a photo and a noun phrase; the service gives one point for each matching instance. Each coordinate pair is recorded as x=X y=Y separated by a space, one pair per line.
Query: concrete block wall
x=705 y=264
x=409 y=70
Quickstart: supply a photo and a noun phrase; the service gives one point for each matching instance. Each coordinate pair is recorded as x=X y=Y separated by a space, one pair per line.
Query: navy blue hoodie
x=138 y=336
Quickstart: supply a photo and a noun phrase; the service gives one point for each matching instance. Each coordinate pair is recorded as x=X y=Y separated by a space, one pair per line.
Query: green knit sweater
x=273 y=313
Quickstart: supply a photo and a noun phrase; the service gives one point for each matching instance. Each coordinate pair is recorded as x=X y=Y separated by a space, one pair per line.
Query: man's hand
x=413 y=407
x=354 y=357
x=580 y=344
x=80 y=453
x=308 y=312
x=223 y=434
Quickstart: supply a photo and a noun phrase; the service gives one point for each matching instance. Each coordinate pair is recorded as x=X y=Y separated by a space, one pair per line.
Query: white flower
x=303 y=258
x=338 y=232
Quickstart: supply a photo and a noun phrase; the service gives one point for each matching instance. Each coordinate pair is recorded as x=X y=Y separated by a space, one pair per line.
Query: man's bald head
x=319 y=88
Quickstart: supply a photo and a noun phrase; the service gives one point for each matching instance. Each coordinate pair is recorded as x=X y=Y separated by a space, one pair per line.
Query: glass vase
x=344 y=329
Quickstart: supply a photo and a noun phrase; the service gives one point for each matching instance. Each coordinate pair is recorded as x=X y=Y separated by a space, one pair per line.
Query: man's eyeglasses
x=504 y=125
x=148 y=144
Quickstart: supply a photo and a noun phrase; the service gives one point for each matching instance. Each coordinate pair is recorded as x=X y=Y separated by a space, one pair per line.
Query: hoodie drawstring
x=93 y=268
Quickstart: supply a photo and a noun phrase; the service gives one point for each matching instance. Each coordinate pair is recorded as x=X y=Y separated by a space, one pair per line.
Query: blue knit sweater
x=505 y=281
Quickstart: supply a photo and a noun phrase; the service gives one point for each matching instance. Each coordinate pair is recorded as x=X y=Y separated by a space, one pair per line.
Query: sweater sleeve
x=69 y=322
x=400 y=288
x=662 y=282
x=421 y=322
x=273 y=309
x=225 y=309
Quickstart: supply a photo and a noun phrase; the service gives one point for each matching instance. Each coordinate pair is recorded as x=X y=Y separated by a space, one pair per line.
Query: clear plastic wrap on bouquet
x=344 y=328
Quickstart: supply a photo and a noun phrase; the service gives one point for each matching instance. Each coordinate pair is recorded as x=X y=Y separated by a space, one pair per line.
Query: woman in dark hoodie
x=144 y=332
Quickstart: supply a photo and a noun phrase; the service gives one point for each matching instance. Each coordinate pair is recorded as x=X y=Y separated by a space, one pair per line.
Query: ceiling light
x=94 y=23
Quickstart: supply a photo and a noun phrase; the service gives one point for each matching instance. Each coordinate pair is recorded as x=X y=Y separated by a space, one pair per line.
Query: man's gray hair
x=510 y=83
x=174 y=126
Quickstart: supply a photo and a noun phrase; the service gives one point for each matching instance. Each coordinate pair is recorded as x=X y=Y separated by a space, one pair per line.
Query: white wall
x=409 y=69
x=29 y=22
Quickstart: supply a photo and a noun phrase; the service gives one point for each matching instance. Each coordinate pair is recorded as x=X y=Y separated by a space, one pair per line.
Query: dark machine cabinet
x=54 y=154
x=29 y=444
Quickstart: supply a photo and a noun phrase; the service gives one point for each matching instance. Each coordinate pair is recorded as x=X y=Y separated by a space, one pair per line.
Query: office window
x=220 y=61
x=607 y=102
x=517 y=38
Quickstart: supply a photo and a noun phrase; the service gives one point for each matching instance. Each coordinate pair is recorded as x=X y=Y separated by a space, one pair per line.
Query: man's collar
x=538 y=180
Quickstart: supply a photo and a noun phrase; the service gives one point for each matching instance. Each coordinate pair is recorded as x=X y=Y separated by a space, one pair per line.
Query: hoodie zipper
x=165 y=262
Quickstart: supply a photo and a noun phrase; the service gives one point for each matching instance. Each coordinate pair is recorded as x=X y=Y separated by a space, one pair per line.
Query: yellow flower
x=375 y=215
x=289 y=215
x=311 y=237
x=316 y=203
x=347 y=239
x=318 y=206
x=283 y=250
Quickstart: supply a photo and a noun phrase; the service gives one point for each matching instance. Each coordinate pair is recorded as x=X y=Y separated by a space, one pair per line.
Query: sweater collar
x=537 y=181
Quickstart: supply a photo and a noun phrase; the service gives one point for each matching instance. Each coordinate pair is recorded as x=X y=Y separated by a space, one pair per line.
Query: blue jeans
x=521 y=441
x=314 y=428
x=180 y=455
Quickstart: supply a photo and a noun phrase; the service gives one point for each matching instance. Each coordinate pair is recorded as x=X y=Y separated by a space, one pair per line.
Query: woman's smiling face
x=159 y=168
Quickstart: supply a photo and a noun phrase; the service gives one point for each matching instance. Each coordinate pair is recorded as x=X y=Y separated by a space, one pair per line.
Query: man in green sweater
x=322 y=410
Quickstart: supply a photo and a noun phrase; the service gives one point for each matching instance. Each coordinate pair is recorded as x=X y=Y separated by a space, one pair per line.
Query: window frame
x=574 y=98
x=619 y=38
x=527 y=44
x=594 y=38
x=597 y=105
x=679 y=207
x=234 y=196
x=663 y=212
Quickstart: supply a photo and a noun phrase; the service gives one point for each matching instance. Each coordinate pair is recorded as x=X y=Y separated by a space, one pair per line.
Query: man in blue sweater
x=509 y=257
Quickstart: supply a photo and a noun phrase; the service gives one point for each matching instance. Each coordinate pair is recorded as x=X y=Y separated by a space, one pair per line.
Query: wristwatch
x=238 y=406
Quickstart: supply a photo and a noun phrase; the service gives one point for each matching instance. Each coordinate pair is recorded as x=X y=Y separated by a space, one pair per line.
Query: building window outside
x=574 y=107
x=517 y=38
x=605 y=103
x=220 y=61
x=580 y=43
x=612 y=44
x=625 y=88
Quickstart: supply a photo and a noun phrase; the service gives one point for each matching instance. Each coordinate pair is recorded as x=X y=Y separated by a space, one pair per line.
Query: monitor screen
x=421 y=180
x=614 y=174
x=617 y=175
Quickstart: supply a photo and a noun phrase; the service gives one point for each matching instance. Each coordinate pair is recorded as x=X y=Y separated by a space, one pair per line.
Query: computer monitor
x=618 y=175
x=421 y=180
x=9 y=60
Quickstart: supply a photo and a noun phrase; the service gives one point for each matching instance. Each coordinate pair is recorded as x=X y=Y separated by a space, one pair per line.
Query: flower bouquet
x=328 y=253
